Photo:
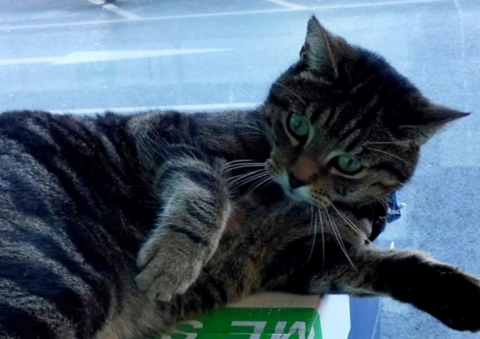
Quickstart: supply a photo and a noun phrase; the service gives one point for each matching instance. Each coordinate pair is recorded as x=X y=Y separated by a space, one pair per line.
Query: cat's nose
x=294 y=182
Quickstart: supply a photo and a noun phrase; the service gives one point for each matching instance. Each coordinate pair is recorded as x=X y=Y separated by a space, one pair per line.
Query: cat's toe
x=460 y=305
x=161 y=279
x=168 y=266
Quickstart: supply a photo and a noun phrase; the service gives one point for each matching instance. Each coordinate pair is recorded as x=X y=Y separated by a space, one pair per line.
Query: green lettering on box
x=252 y=323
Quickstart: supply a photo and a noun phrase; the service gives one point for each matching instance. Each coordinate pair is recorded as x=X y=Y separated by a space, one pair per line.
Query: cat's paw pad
x=459 y=302
x=167 y=270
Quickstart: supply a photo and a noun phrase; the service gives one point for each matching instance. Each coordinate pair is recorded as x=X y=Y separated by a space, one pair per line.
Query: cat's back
x=67 y=234
x=26 y=148
x=54 y=160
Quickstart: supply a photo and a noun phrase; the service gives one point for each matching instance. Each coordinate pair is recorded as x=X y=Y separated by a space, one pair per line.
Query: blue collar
x=393 y=212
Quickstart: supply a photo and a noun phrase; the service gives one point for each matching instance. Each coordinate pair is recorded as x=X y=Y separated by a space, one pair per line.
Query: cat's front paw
x=457 y=304
x=169 y=266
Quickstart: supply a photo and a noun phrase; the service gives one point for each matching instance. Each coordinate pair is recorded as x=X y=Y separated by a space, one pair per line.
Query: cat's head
x=344 y=125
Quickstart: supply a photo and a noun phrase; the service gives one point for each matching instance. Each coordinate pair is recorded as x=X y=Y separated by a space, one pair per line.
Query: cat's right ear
x=317 y=52
x=420 y=127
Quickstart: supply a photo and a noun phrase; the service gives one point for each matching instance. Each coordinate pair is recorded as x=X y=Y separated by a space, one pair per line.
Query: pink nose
x=294 y=182
x=304 y=170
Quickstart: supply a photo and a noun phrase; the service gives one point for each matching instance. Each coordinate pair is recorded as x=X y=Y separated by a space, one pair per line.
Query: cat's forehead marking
x=315 y=114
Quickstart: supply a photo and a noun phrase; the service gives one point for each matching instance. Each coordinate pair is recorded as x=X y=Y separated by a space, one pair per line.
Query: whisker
x=255 y=128
x=334 y=231
x=237 y=161
x=239 y=166
x=253 y=131
x=250 y=179
x=412 y=191
x=339 y=239
x=401 y=184
x=241 y=161
x=250 y=136
x=292 y=92
x=233 y=162
x=363 y=189
x=262 y=182
x=259 y=177
x=314 y=224
x=390 y=154
x=247 y=164
x=388 y=142
x=383 y=202
x=236 y=178
x=353 y=226
x=323 y=241
x=243 y=180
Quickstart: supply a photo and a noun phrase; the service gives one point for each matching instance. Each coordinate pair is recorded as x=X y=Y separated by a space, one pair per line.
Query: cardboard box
x=282 y=316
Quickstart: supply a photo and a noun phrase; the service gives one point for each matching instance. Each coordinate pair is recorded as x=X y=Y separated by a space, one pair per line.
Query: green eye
x=298 y=125
x=348 y=165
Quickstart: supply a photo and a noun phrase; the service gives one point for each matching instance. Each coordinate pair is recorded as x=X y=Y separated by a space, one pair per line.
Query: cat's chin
x=292 y=196
x=298 y=196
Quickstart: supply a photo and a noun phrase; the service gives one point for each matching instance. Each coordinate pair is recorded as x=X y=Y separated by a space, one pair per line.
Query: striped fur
x=357 y=105
x=78 y=199
x=121 y=226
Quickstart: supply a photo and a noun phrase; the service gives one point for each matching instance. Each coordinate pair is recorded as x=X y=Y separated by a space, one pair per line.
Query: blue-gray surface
x=64 y=55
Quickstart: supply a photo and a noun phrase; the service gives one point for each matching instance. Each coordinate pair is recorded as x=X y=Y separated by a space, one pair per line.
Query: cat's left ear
x=318 y=52
x=422 y=126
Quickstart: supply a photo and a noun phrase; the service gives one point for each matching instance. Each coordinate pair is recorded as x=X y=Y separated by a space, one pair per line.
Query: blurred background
x=84 y=56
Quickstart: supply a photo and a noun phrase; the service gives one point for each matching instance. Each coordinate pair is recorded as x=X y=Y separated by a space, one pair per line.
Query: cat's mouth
x=300 y=194
x=303 y=194
x=290 y=193
x=294 y=194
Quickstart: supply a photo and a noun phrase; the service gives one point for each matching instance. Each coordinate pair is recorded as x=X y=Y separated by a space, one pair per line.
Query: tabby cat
x=122 y=226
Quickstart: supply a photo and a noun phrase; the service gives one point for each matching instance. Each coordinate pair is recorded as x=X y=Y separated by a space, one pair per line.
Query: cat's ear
x=422 y=126
x=317 y=52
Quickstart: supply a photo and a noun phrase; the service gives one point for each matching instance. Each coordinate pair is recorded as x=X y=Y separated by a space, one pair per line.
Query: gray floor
x=74 y=55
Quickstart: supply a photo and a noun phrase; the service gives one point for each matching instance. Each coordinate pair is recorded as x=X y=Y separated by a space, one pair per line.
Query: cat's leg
x=196 y=205
x=409 y=276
